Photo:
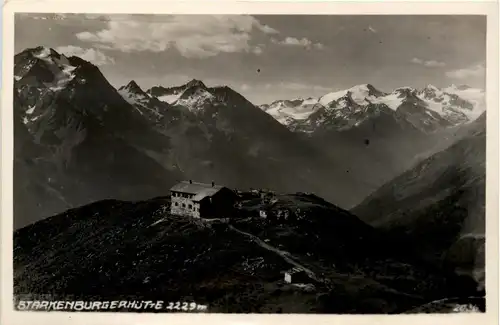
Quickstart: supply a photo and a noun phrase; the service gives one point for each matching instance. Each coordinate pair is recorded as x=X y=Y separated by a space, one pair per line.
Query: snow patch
x=286 y=114
x=393 y=101
x=30 y=110
x=63 y=78
x=310 y=101
x=360 y=94
x=169 y=98
x=44 y=53
x=330 y=97
x=132 y=98
x=196 y=100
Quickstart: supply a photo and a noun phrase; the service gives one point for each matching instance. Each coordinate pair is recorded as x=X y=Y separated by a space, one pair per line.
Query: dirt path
x=285 y=255
x=293 y=261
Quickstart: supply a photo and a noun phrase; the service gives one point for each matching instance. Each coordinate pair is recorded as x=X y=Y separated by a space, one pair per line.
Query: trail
x=286 y=256
x=293 y=260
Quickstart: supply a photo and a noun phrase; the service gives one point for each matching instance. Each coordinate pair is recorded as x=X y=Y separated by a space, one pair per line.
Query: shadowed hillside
x=114 y=249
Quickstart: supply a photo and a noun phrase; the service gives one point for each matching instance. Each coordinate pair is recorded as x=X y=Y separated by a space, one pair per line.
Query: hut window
x=190 y=206
x=183 y=205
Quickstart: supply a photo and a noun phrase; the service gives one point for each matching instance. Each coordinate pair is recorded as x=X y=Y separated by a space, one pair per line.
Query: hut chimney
x=213 y=184
x=190 y=182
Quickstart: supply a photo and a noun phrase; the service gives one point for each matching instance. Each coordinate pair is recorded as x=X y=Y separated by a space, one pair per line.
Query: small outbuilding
x=297 y=275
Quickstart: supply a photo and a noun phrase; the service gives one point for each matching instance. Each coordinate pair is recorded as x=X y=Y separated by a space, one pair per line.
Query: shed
x=297 y=275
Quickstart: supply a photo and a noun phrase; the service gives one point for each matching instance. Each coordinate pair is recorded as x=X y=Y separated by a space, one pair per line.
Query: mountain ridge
x=204 y=133
x=444 y=105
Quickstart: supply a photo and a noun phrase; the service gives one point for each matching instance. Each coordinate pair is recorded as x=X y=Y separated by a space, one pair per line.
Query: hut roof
x=199 y=190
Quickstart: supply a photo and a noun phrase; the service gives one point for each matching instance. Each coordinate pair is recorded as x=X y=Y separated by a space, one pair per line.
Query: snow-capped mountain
x=146 y=105
x=287 y=111
x=428 y=109
x=75 y=130
x=220 y=133
x=171 y=94
x=196 y=96
x=458 y=104
x=76 y=138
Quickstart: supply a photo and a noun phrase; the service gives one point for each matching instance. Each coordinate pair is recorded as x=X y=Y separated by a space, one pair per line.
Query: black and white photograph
x=241 y=163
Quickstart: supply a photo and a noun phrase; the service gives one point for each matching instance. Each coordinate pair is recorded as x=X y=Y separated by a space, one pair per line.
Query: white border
x=489 y=8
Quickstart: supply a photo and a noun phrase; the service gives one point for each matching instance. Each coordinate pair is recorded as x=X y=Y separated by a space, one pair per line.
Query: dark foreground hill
x=137 y=250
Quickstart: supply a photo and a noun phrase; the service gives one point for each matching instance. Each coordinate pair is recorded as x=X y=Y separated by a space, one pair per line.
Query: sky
x=269 y=57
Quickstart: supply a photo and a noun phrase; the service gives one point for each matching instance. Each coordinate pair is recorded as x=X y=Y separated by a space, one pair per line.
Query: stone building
x=201 y=200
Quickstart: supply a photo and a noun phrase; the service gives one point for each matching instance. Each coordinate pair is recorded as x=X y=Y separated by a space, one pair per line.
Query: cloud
x=193 y=36
x=474 y=71
x=428 y=63
x=95 y=56
x=304 y=42
x=258 y=50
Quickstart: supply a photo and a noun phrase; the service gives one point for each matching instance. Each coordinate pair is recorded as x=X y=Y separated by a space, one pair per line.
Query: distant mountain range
x=79 y=140
x=427 y=109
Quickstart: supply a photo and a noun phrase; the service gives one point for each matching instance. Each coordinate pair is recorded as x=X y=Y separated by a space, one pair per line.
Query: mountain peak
x=363 y=86
x=195 y=83
x=431 y=87
x=404 y=91
x=44 y=52
x=366 y=90
x=460 y=87
x=463 y=87
x=132 y=87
